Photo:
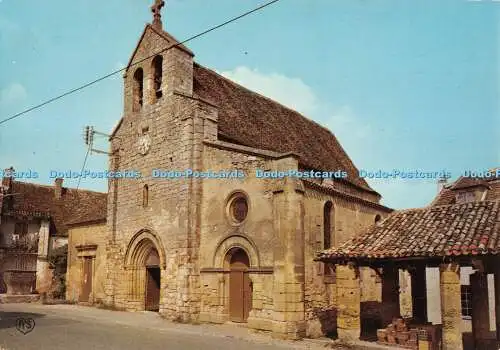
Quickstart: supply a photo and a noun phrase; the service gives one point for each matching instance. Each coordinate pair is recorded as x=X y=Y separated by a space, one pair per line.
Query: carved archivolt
x=140 y=246
x=232 y=242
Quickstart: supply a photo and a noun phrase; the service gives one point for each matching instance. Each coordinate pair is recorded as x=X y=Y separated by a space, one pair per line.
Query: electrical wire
x=95 y=81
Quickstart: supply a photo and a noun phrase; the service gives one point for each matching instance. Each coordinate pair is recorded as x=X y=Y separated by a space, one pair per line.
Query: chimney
x=495 y=173
x=441 y=183
x=8 y=175
x=58 y=187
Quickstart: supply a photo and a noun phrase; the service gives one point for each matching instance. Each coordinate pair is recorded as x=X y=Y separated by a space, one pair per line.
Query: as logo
x=25 y=325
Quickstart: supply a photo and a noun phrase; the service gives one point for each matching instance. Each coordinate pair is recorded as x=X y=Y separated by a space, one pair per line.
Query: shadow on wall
x=8 y=319
x=370 y=320
x=3 y=286
x=328 y=320
x=469 y=343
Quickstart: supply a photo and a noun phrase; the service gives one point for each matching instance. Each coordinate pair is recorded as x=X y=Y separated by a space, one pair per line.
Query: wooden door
x=86 y=279
x=240 y=291
x=236 y=298
x=247 y=295
x=152 y=289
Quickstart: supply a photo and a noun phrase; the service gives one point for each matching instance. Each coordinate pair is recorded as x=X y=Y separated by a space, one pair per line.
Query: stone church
x=200 y=249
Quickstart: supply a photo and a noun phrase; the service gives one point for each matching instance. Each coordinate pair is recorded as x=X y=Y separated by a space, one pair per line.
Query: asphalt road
x=58 y=327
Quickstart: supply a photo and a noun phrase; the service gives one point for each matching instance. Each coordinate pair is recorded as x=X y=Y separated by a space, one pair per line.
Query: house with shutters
x=33 y=223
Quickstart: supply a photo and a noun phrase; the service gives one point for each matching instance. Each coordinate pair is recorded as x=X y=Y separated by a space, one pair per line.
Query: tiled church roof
x=460 y=229
x=74 y=204
x=250 y=119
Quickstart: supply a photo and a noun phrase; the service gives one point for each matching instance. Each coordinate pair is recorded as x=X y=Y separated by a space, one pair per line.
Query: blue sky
x=402 y=84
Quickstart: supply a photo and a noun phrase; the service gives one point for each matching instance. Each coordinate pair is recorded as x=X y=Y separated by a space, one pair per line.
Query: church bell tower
x=158 y=130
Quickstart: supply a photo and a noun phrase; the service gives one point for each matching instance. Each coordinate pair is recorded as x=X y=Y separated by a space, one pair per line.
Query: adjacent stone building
x=86 y=272
x=32 y=223
x=234 y=248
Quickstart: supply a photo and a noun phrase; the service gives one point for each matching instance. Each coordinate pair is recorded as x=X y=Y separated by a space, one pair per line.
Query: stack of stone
x=397 y=334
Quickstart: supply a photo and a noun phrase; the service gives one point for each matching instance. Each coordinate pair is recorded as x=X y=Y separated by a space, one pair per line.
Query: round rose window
x=238 y=208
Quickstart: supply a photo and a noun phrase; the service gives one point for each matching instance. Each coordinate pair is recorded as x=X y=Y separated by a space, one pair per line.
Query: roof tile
x=459 y=229
x=73 y=205
x=253 y=120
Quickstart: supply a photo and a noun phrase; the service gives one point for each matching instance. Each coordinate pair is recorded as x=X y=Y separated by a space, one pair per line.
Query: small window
x=465 y=197
x=327 y=225
x=238 y=208
x=138 y=90
x=377 y=218
x=466 y=297
x=145 y=196
x=157 y=76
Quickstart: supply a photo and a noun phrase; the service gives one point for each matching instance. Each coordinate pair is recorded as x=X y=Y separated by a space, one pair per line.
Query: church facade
x=233 y=246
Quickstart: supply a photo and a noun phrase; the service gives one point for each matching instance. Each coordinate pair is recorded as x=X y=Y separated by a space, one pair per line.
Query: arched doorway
x=152 y=295
x=144 y=261
x=240 y=287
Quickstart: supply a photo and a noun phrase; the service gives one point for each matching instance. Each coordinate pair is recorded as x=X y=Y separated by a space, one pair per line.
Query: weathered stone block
x=451 y=306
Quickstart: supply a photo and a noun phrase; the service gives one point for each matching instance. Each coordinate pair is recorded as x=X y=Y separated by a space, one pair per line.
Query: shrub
x=58 y=260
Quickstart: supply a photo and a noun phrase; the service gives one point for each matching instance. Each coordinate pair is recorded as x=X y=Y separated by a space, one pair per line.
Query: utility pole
x=88 y=137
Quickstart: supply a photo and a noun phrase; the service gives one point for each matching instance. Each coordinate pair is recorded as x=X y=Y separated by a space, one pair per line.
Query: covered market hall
x=446 y=238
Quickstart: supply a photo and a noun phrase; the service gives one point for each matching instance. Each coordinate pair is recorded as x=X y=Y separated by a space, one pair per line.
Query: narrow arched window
x=145 y=196
x=138 y=90
x=377 y=218
x=327 y=225
x=157 y=76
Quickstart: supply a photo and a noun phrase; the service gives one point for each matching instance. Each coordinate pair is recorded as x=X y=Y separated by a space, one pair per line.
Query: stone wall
x=349 y=219
x=81 y=242
x=44 y=276
x=257 y=235
x=219 y=234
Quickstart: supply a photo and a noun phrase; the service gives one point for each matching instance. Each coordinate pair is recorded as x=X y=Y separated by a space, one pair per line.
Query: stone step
x=23 y=298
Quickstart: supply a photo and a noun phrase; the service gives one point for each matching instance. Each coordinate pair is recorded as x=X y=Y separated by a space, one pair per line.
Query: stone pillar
x=451 y=308
x=390 y=294
x=288 y=285
x=419 y=294
x=43 y=239
x=348 y=301
x=188 y=287
x=114 y=272
x=43 y=273
x=480 y=308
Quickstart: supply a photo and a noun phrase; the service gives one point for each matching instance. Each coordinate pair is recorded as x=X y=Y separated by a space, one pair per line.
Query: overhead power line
x=95 y=81
x=83 y=166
